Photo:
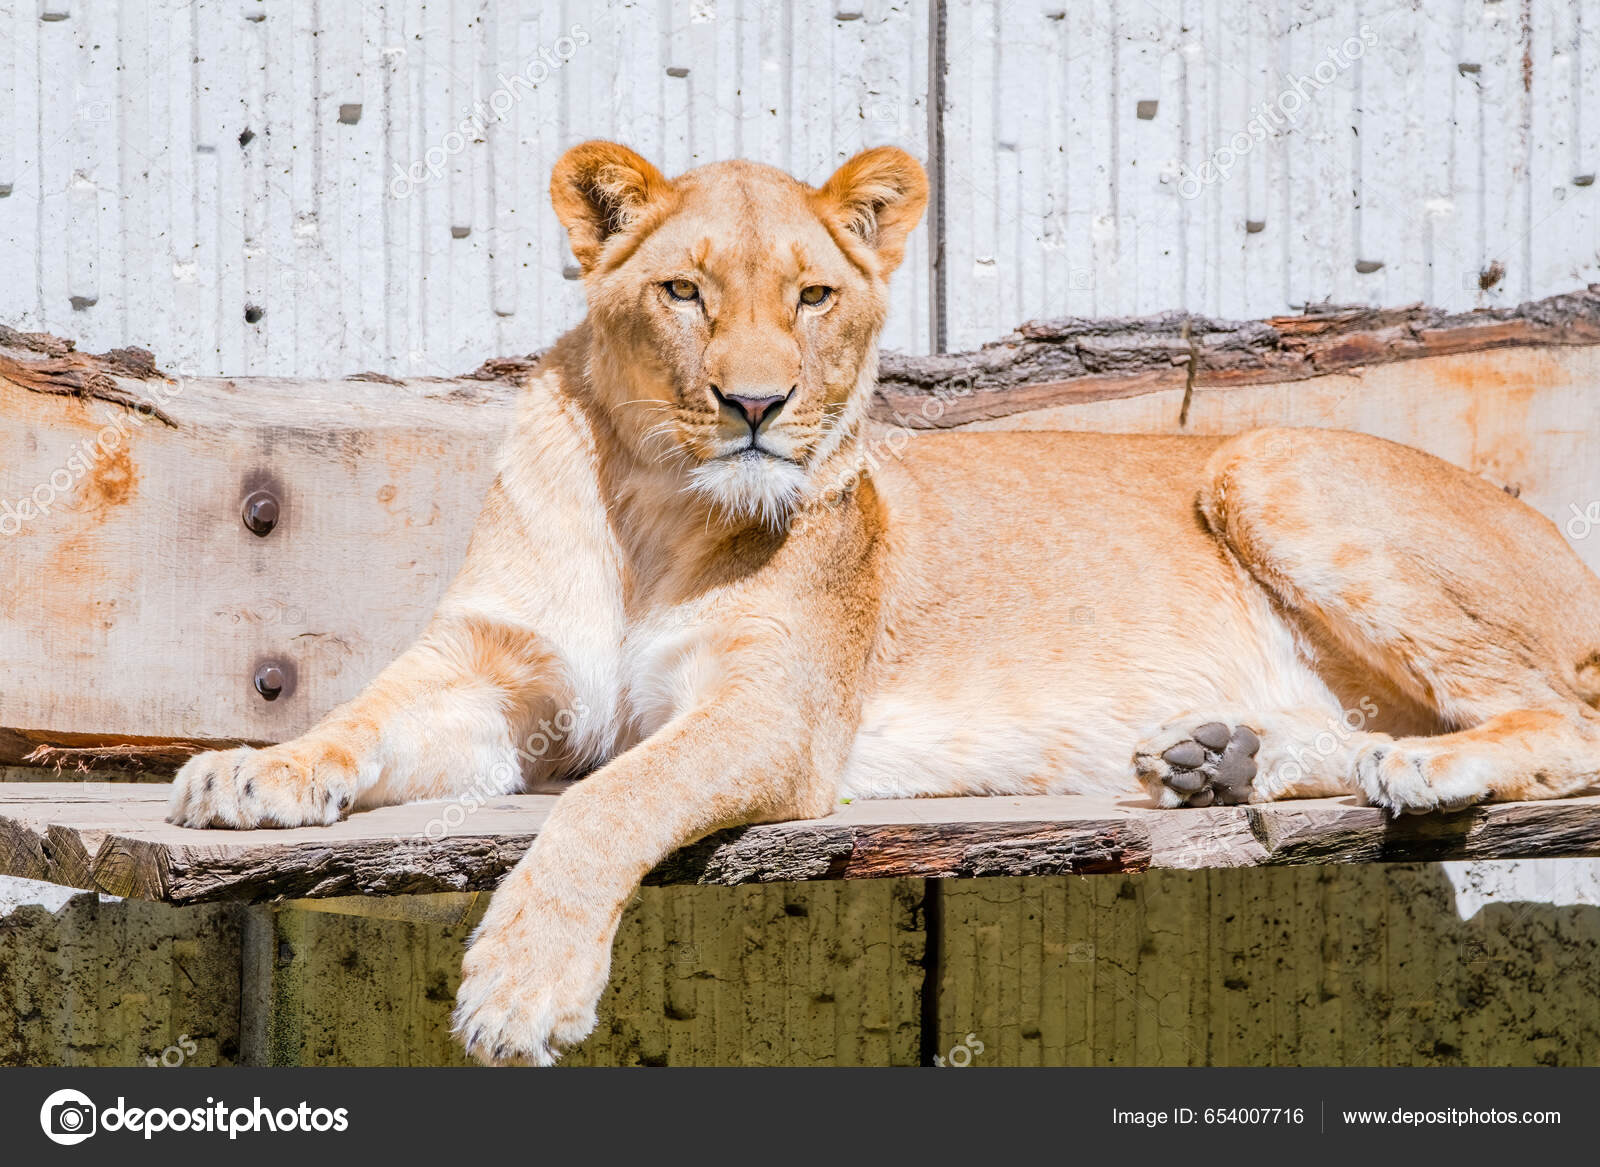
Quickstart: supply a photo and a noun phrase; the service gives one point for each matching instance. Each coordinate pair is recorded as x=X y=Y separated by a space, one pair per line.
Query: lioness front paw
x=296 y=784
x=529 y=987
x=1188 y=764
x=1416 y=779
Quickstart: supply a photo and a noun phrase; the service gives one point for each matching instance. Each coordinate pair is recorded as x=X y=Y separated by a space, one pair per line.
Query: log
x=1076 y=360
x=114 y=840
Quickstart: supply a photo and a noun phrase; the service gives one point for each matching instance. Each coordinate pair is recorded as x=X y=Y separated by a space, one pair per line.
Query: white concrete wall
x=170 y=164
x=165 y=165
x=1456 y=145
x=1455 y=139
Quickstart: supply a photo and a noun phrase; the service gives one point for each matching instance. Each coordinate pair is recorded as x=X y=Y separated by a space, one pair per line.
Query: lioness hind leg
x=1442 y=588
x=1225 y=759
x=1524 y=754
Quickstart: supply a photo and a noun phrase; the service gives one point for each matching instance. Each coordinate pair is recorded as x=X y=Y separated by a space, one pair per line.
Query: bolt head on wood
x=261 y=512
x=270 y=681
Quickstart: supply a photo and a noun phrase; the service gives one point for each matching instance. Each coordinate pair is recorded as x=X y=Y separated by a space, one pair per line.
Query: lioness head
x=735 y=311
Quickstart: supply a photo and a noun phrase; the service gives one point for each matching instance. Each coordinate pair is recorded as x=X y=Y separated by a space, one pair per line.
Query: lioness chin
x=684 y=564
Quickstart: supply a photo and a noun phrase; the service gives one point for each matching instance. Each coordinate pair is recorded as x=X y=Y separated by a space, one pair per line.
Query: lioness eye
x=682 y=289
x=815 y=294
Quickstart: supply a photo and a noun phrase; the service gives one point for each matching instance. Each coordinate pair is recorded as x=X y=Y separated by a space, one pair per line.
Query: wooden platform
x=112 y=838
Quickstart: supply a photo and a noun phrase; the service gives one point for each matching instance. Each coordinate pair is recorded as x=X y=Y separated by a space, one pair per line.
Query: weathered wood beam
x=105 y=754
x=121 y=656
x=114 y=840
x=43 y=363
x=1078 y=360
x=136 y=606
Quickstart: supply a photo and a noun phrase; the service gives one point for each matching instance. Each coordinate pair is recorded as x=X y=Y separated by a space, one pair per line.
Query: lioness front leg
x=540 y=961
x=446 y=717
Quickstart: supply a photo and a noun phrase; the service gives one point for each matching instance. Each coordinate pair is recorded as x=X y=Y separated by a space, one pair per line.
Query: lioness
x=683 y=560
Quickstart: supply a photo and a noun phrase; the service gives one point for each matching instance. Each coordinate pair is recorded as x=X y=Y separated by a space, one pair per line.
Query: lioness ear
x=878 y=196
x=601 y=189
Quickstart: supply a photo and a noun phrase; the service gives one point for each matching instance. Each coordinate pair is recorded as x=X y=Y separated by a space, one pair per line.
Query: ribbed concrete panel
x=226 y=181
x=1442 y=151
x=317 y=188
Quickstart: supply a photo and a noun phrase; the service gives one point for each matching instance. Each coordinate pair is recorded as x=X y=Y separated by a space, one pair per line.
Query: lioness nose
x=754 y=410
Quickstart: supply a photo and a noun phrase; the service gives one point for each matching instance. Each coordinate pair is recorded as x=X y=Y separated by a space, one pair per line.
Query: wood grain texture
x=114 y=839
x=135 y=605
x=1075 y=361
x=103 y=754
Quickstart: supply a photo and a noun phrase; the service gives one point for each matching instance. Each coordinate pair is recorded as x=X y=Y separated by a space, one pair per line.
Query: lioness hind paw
x=1212 y=763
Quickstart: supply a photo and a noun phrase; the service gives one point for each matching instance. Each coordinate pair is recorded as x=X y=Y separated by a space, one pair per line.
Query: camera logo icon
x=68 y=1117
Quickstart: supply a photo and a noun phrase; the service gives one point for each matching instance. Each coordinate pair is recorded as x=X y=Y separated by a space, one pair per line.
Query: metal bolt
x=261 y=512
x=270 y=681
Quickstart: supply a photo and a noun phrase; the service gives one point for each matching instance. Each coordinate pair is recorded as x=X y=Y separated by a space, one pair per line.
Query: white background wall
x=1460 y=140
x=171 y=163
x=167 y=164
x=1455 y=148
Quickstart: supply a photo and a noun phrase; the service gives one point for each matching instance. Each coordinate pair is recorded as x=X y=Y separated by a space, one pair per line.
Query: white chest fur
x=668 y=665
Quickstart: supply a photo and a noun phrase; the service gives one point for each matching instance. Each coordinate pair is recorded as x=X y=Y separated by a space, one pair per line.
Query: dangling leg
x=1445 y=589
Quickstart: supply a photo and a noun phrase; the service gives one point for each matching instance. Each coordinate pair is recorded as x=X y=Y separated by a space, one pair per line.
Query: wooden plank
x=136 y=602
x=115 y=839
x=103 y=754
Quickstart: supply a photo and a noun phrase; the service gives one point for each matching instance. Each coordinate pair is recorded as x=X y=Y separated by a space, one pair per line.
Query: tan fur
x=724 y=636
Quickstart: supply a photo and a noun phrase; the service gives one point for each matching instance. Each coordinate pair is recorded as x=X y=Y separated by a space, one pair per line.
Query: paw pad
x=1215 y=764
